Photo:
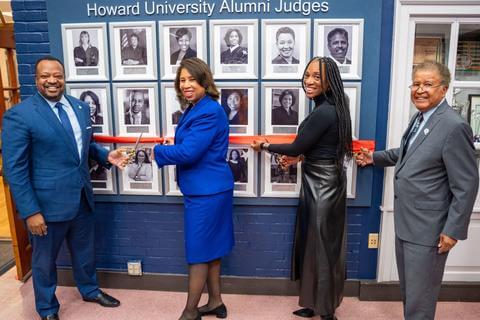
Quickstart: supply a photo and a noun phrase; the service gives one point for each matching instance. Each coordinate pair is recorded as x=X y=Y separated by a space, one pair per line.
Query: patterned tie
x=414 y=130
x=66 y=123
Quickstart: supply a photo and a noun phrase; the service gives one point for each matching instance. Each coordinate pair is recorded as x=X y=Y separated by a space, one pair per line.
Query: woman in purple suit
x=205 y=179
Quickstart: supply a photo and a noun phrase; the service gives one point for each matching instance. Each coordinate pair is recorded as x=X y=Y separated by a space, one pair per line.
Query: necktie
x=66 y=123
x=414 y=130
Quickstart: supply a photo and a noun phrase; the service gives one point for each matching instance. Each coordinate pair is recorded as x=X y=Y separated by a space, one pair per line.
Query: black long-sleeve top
x=317 y=136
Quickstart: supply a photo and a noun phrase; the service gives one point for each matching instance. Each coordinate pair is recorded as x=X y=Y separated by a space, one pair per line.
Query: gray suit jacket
x=436 y=182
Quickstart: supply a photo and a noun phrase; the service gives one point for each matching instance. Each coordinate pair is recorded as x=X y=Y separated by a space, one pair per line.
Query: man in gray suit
x=436 y=182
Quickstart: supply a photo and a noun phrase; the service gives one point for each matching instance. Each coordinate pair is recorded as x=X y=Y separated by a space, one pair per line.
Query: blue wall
x=150 y=227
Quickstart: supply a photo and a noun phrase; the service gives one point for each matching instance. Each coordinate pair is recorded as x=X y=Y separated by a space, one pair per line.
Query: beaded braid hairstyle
x=329 y=71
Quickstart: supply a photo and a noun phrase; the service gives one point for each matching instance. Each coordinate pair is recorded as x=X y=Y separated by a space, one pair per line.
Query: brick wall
x=154 y=232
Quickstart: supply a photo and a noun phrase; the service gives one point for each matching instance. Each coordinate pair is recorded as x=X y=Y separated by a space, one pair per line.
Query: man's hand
x=36 y=225
x=119 y=157
x=446 y=243
x=364 y=157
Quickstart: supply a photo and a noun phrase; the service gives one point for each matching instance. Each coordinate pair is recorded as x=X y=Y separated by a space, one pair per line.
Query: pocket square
x=88 y=128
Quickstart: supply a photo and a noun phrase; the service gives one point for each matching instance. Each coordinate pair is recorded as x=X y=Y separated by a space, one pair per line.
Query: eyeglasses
x=424 y=86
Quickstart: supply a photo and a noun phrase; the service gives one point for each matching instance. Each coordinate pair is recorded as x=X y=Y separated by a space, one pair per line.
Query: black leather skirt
x=318 y=258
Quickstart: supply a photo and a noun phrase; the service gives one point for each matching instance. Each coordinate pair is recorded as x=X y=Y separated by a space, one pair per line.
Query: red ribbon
x=288 y=138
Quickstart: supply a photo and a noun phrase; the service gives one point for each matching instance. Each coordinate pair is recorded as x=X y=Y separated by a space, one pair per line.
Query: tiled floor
x=17 y=303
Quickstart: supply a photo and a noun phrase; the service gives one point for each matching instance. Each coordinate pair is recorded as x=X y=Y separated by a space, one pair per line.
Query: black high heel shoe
x=304 y=313
x=219 y=312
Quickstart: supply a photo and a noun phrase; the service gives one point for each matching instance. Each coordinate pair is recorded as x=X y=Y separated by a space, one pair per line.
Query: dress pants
x=420 y=269
x=79 y=235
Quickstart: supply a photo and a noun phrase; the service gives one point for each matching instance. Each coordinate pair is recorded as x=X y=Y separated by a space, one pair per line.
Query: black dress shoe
x=52 y=316
x=304 y=313
x=104 y=300
x=220 y=311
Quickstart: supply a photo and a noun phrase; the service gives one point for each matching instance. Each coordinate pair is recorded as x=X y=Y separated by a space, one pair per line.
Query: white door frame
x=407 y=14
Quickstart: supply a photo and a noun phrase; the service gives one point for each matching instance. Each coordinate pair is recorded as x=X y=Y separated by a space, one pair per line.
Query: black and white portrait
x=285 y=46
x=235 y=104
x=97 y=97
x=238 y=163
x=341 y=40
x=279 y=175
x=285 y=107
x=133 y=50
x=136 y=105
x=140 y=168
x=338 y=44
x=133 y=46
x=86 y=54
x=183 y=44
x=84 y=51
x=234 y=47
x=97 y=171
x=177 y=114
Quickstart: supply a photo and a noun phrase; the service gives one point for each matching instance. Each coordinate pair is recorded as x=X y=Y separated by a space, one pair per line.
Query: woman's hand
x=257 y=145
x=286 y=161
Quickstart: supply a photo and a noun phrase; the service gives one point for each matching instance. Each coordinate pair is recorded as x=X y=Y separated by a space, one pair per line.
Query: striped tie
x=67 y=125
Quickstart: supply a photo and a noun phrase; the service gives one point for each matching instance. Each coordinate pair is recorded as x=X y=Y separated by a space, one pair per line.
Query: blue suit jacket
x=200 y=150
x=41 y=164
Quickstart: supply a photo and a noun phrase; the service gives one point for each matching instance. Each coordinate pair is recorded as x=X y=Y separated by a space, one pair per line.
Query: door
x=9 y=96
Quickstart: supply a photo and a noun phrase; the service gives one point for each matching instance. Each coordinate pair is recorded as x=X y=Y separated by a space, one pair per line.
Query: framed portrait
x=172 y=110
x=352 y=90
x=141 y=175
x=286 y=47
x=233 y=49
x=351 y=173
x=85 y=51
x=171 y=184
x=133 y=49
x=241 y=160
x=276 y=181
x=285 y=106
x=239 y=102
x=136 y=109
x=97 y=96
x=103 y=179
x=182 y=40
x=341 y=40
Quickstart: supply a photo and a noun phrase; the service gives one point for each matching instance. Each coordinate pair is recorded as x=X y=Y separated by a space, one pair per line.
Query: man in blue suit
x=46 y=147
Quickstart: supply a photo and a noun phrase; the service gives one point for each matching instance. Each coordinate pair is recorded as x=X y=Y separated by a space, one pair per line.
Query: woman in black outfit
x=323 y=143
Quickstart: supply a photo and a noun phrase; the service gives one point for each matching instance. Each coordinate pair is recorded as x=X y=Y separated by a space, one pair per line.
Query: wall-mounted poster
x=239 y=102
x=182 y=40
x=133 y=49
x=341 y=40
x=285 y=106
x=172 y=110
x=278 y=182
x=97 y=96
x=136 y=109
x=286 y=46
x=233 y=52
x=85 y=51
x=141 y=175
x=103 y=179
x=241 y=160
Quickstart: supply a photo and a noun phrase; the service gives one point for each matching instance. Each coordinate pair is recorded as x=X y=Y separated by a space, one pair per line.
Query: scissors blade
x=137 y=142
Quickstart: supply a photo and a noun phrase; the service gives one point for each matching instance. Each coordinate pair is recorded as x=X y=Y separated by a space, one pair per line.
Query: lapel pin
x=80 y=107
x=426 y=131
